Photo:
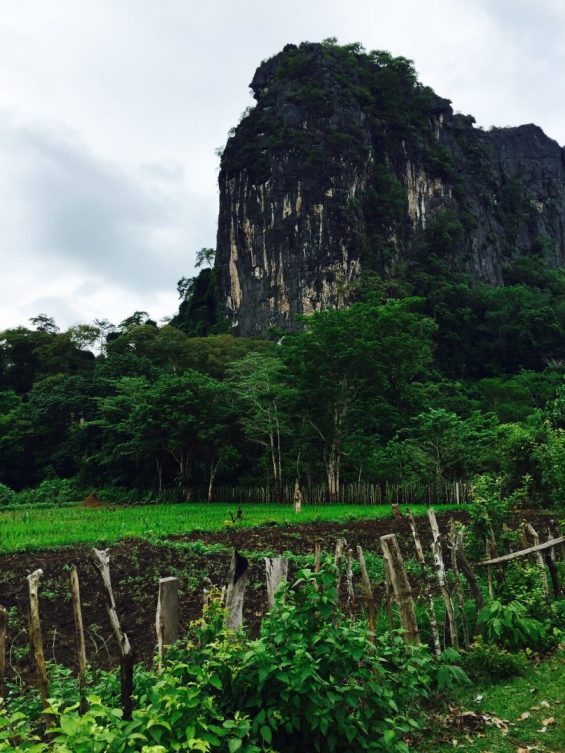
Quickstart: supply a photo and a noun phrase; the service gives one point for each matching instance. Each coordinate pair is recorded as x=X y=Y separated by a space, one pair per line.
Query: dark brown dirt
x=92 y=501
x=136 y=567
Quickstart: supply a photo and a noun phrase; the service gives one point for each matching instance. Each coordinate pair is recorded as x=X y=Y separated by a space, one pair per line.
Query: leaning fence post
x=81 y=645
x=35 y=636
x=101 y=561
x=549 y=556
x=339 y=549
x=470 y=576
x=349 y=576
x=235 y=591
x=539 y=559
x=442 y=580
x=367 y=593
x=401 y=587
x=167 y=617
x=457 y=579
x=276 y=570
x=3 y=629
x=427 y=585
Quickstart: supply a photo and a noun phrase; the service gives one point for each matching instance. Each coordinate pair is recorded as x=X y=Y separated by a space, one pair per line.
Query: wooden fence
x=445 y=552
x=456 y=492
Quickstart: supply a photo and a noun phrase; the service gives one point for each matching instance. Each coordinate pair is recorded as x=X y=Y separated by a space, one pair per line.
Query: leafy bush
x=487 y=661
x=313 y=678
x=509 y=625
x=56 y=491
x=6 y=495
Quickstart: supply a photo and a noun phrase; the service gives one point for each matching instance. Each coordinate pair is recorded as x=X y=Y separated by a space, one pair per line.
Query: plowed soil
x=136 y=567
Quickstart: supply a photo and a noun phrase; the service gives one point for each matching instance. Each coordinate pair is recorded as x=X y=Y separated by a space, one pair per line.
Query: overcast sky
x=111 y=111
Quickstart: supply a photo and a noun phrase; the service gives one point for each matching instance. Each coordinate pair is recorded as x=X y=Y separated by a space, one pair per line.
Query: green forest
x=427 y=377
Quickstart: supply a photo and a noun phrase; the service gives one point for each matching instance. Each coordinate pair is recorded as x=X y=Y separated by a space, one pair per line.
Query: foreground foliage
x=313 y=681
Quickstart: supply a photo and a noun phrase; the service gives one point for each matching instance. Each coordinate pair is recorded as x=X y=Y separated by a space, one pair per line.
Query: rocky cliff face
x=347 y=165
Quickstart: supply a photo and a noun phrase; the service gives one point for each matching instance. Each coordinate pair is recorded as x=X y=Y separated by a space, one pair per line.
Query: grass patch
x=31 y=529
x=540 y=695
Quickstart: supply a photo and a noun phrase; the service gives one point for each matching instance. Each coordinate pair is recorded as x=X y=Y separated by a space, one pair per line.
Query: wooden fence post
x=81 y=645
x=427 y=585
x=549 y=556
x=442 y=580
x=297 y=497
x=276 y=570
x=236 y=591
x=339 y=549
x=167 y=616
x=350 y=589
x=3 y=633
x=470 y=576
x=457 y=579
x=401 y=587
x=35 y=636
x=101 y=561
x=539 y=559
x=367 y=593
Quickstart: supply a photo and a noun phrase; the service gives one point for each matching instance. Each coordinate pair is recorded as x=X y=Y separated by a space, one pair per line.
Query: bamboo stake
x=539 y=558
x=401 y=587
x=367 y=593
x=81 y=645
x=442 y=580
x=101 y=561
x=3 y=640
x=427 y=585
x=35 y=636
x=457 y=579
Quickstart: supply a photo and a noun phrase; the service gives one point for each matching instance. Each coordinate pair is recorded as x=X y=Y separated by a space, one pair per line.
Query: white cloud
x=110 y=113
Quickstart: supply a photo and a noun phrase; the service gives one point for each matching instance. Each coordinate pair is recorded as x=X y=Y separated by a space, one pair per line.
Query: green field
x=53 y=527
x=524 y=703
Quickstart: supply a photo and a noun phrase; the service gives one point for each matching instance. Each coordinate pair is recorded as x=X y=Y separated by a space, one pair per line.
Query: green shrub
x=314 y=680
x=509 y=625
x=56 y=491
x=487 y=661
x=6 y=495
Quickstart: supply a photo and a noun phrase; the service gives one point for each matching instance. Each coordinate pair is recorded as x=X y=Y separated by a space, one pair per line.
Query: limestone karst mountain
x=347 y=165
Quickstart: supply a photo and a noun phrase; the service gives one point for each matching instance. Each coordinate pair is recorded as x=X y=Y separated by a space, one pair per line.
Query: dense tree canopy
x=426 y=378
